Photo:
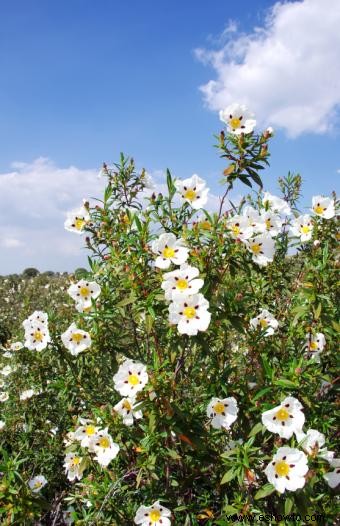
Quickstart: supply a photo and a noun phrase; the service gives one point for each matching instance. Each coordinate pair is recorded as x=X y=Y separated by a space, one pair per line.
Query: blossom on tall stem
x=169 y=250
x=266 y=321
x=287 y=470
x=83 y=292
x=323 y=206
x=190 y=314
x=285 y=419
x=275 y=204
x=222 y=412
x=302 y=227
x=238 y=119
x=181 y=282
x=154 y=515
x=76 y=340
x=77 y=220
x=193 y=191
x=262 y=249
x=130 y=378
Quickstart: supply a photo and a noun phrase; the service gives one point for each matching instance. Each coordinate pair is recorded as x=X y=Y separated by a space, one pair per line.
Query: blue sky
x=84 y=80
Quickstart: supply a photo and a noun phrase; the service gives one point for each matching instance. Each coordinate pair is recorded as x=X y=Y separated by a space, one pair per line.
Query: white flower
x=69 y=439
x=36 y=483
x=287 y=469
x=270 y=223
x=238 y=119
x=276 y=204
x=73 y=466
x=262 y=249
x=192 y=191
x=266 y=321
x=86 y=432
x=67 y=515
x=2 y=424
x=182 y=282
x=302 y=227
x=3 y=396
x=315 y=345
x=16 y=346
x=7 y=354
x=311 y=441
x=37 y=335
x=76 y=340
x=104 y=447
x=222 y=412
x=25 y=395
x=285 y=419
x=154 y=515
x=130 y=378
x=190 y=314
x=83 y=292
x=239 y=227
x=327 y=455
x=252 y=215
x=7 y=370
x=323 y=206
x=38 y=317
x=77 y=220
x=333 y=478
x=126 y=408
x=169 y=250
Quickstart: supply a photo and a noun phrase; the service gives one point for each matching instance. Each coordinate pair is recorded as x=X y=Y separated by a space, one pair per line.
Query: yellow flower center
x=90 y=430
x=282 y=468
x=155 y=515
x=190 y=194
x=236 y=230
x=38 y=335
x=235 y=122
x=75 y=461
x=219 y=408
x=263 y=323
x=313 y=346
x=256 y=248
x=182 y=284
x=77 y=337
x=133 y=379
x=168 y=252
x=189 y=312
x=318 y=209
x=268 y=224
x=282 y=414
x=305 y=229
x=104 y=442
x=127 y=405
x=84 y=291
x=79 y=223
x=37 y=484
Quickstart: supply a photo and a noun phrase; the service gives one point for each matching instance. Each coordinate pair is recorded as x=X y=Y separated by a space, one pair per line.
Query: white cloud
x=288 y=71
x=34 y=199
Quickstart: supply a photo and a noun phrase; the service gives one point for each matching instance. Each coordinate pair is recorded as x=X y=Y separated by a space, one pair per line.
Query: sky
x=83 y=80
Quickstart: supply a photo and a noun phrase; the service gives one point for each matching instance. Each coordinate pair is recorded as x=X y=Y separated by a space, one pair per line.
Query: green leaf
x=229 y=475
x=256 y=429
x=126 y=301
x=263 y=492
x=284 y=382
x=288 y=505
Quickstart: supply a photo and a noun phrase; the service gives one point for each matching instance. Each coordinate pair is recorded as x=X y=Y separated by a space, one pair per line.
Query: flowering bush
x=195 y=380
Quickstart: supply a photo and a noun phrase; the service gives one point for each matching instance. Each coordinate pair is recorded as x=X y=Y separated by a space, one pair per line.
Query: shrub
x=220 y=387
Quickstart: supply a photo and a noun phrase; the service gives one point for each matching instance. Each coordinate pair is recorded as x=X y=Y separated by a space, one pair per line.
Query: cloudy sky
x=84 y=80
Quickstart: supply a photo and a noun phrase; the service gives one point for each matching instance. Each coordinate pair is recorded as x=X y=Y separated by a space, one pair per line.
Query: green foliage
x=172 y=454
